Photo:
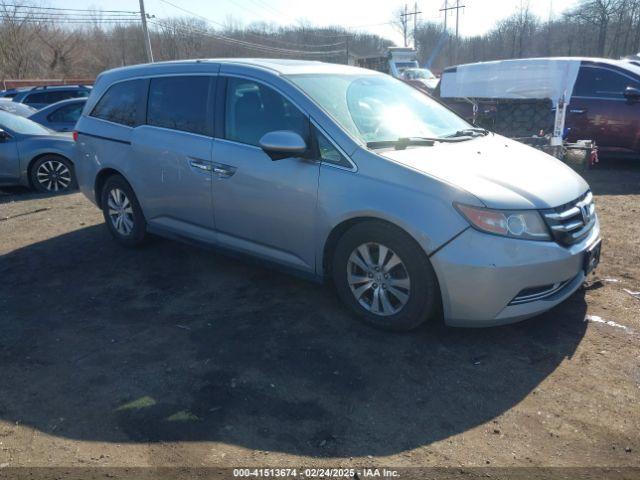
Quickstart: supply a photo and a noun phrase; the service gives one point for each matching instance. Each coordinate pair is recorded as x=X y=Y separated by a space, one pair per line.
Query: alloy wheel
x=120 y=211
x=53 y=176
x=378 y=279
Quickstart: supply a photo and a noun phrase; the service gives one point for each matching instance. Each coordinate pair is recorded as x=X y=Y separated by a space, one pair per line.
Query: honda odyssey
x=342 y=173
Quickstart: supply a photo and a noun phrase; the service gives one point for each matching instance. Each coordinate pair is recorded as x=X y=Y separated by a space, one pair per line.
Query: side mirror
x=632 y=94
x=4 y=136
x=283 y=144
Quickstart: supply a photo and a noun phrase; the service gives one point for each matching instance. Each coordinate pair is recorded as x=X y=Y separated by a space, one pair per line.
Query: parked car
x=60 y=116
x=39 y=97
x=338 y=172
x=12 y=92
x=16 y=108
x=604 y=101
x=34 y=156
x=420 y=78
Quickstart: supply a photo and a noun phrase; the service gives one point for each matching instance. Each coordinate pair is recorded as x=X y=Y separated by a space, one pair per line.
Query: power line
x=247 y=31
x=246 y=44
x=62 y=17
x=31 y=7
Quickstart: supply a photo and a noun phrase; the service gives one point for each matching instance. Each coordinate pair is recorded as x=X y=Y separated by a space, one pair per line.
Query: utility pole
x=404 y=18
x=415 y=26
x=457 y=22
x=145 y=33
x=446 y=14
x=404 y=24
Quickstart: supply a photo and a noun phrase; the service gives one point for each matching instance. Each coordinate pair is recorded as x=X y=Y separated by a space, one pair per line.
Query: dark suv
x=39 y=97
x=605 y=107
x=604 y=103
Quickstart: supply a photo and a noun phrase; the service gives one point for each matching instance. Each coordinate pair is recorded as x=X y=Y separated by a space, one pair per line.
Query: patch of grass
x=142 y=402
x=183 y=416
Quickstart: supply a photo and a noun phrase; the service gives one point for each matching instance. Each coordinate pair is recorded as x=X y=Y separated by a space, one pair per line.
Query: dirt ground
x=175 y=356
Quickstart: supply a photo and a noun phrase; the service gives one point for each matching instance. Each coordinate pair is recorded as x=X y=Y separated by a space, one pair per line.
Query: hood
x=430 y=83
x=502 y=173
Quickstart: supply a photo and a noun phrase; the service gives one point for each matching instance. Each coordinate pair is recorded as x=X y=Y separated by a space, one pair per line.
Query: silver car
x=34 y=156
x=342 y=173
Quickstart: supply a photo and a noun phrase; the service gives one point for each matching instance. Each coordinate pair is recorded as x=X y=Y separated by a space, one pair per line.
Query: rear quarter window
x=123 y=103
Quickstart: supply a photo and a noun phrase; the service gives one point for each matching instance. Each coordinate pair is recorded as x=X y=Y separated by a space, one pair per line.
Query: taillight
x=75 y=136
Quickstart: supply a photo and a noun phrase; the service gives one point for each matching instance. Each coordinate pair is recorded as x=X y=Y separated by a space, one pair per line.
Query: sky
x=373 y=16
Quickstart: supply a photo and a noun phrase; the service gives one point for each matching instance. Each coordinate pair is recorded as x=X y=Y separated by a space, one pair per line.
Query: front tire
x=122 y=212
x=385 y=277
x=53 y=174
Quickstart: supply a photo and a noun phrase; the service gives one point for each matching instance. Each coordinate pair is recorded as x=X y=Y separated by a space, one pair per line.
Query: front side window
x=122 y=103
x=179 y=103
x=602 y=82
x=377 y=108
x=67 y=114
x=253 y=109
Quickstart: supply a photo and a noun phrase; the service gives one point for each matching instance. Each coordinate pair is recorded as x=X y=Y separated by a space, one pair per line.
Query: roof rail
x=44 y=87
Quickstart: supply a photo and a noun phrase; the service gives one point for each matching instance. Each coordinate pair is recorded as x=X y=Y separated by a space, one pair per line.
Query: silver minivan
x=342 y=173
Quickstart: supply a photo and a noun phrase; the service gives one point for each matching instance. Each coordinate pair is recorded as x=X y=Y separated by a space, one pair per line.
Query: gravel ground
x=175 y=356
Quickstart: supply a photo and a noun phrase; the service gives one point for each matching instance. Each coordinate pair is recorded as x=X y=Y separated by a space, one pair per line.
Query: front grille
x=532 y=294
x=573 y=221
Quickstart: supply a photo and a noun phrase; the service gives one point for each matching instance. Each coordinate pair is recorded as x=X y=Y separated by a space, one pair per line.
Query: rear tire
x=385 y=277
x=53 y=174
x=122 y=212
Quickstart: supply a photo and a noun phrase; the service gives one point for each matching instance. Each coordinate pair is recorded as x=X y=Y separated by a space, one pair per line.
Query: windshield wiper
x=403 y=142
x=470 y=132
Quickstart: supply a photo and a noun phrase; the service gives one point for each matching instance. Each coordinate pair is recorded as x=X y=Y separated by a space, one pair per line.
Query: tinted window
x=50 y=97
x=41 y=97
x=67 y=114
x=179 y=103
x=600 y=82
x=253 y=109
x=121 y=103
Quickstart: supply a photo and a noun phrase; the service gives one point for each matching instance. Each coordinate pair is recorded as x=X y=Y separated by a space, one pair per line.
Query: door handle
x=578 y=110
x=223 y=171
x=200 y=165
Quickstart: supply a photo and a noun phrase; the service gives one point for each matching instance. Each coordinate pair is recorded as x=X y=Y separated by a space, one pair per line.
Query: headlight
x=525 y=224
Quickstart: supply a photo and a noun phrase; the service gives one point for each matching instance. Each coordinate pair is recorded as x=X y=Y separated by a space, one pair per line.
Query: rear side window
x=602 y=83
x=68 y=113
x=253 y=109
x=41 y=97
x=50 y=97
x=179 y=103
x=122 y=103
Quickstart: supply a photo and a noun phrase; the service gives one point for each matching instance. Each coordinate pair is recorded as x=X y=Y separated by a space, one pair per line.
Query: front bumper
x=480 y=274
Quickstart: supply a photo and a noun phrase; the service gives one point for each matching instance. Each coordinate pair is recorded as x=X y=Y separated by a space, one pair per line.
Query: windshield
x=418 y=74
x=378 y=108
x=21 y=125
